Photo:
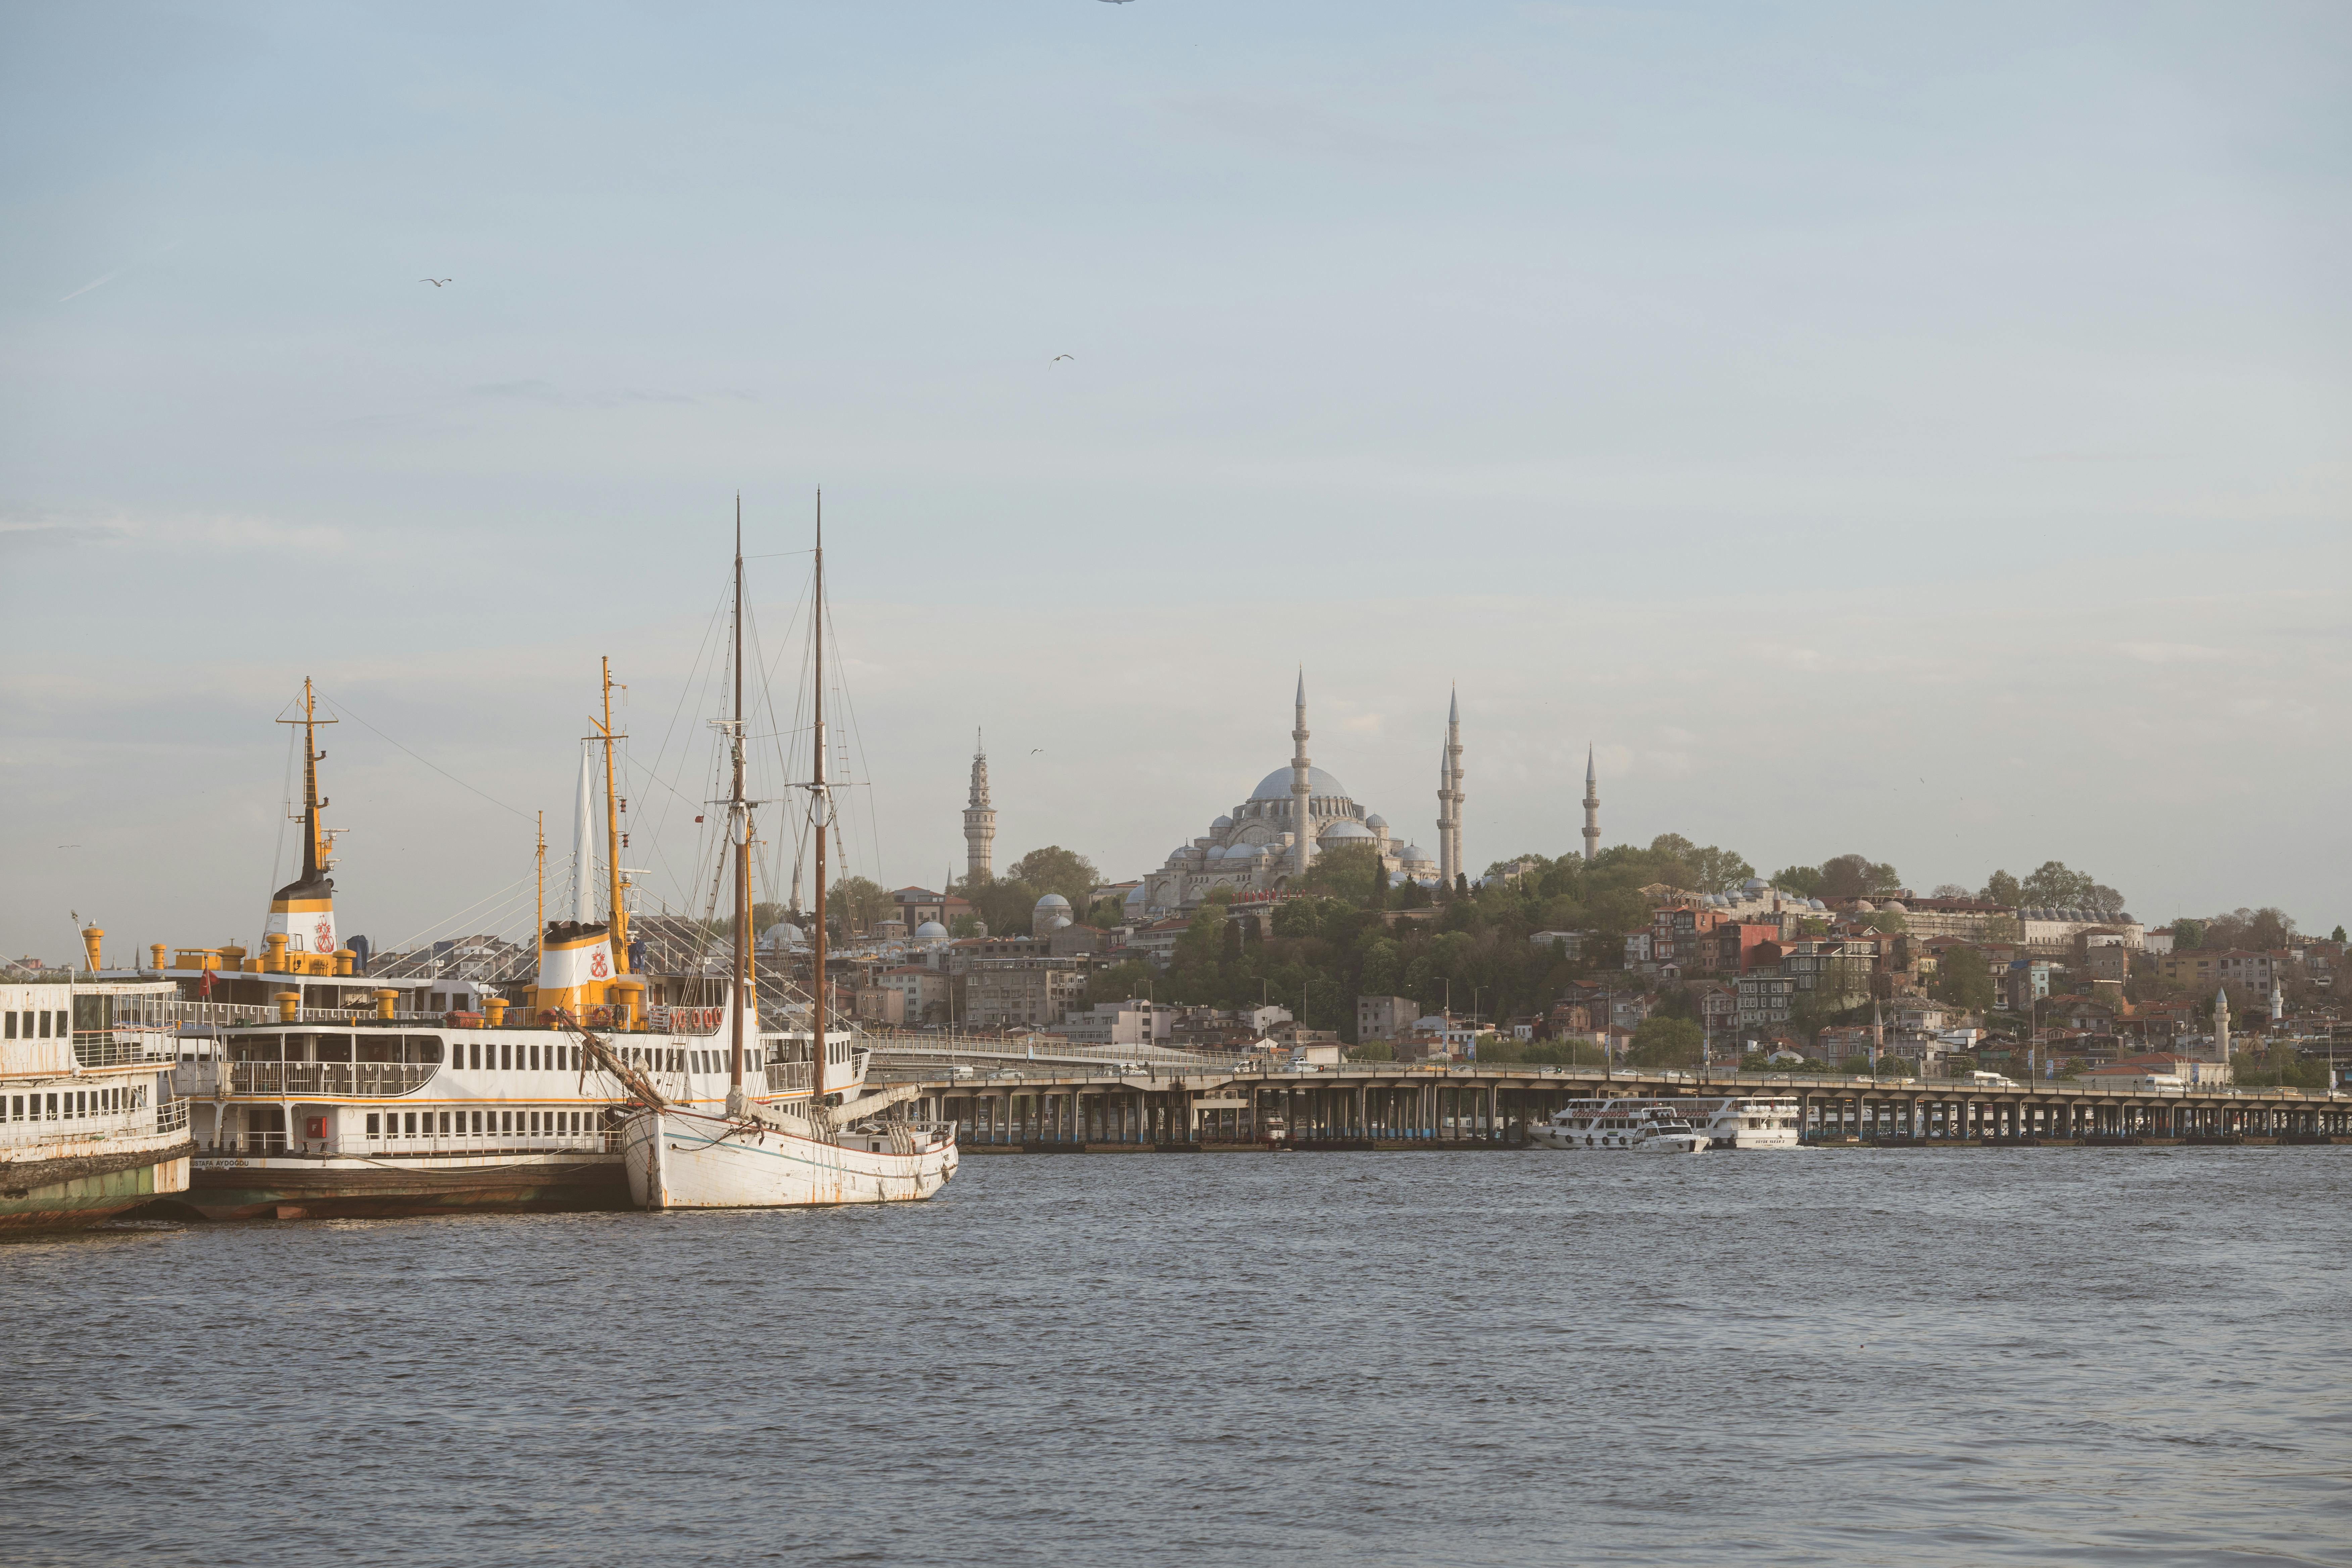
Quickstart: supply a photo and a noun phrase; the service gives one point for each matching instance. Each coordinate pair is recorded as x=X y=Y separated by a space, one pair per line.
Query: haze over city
x=1920 y=434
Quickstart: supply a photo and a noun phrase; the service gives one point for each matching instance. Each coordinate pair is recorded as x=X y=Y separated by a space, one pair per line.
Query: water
x=1827 y=1356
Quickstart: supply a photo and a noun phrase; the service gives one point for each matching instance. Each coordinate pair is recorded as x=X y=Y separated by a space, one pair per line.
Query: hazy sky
x=1905 y=430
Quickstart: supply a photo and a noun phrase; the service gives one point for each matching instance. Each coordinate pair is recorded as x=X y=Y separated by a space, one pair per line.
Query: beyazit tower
x=978 y=819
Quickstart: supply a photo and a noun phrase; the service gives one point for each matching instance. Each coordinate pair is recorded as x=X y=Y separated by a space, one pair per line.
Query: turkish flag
x=205 y=986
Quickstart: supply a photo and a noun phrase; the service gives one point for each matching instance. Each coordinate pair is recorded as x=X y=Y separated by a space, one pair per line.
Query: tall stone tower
x=978 y=819
x=2222 y=1024
x=1302 y=790
x=1444 y=821
x=1592 y=808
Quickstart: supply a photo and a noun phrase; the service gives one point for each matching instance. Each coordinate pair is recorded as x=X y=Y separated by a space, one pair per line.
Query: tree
x=1964 y=980
x=1055 y=870
x=1804 y=879
x=1950 y=891
x=2337 y=935
x=2004 y=889
x=860 y=901
x=1373 y=1051
x=1719 y=870
x=2260 y=930
x=1856 y=877
x=2188 y=933
x=1461 y=884
x=1663 y=1042
x=2054 y=887
x=1345 y=871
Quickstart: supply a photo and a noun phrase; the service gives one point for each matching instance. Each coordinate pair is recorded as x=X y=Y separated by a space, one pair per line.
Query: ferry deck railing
x=48 y=1116
x=357 y=1145
x=123 y=1046
x=381 y=1078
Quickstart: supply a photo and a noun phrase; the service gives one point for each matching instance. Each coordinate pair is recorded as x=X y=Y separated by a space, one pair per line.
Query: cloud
x=209 y=532
x=2177 y=653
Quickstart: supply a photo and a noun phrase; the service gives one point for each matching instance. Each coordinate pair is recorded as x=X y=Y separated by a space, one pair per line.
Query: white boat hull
x=688 y=1159
x=1653 y=1143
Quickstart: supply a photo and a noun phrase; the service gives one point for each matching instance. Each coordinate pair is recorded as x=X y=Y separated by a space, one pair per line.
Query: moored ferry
x=88 y=1127
x=311 y=1089
x=1749 y=1122
x=1643 y=1126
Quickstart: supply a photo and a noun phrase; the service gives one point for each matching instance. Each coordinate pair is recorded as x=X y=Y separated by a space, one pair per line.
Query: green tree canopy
x=1663 y=1042
x=1346 y=871
x=1805 y=879
x=2004 y=889
x=2260 y=930
x=1856 y=877
x=860 y=901
x=1055 y=870
x=2054 y=887
x=1964 y=980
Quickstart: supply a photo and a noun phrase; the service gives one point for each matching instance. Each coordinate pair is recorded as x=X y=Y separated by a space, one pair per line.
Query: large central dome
x=1276 y=786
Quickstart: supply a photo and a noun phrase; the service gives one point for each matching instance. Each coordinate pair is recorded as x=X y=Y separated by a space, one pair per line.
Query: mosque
x=1258 y=846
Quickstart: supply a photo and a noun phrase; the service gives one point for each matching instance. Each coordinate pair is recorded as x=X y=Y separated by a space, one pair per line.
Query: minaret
x=1592 y=808
x=1302 y=789
x=2222 y=1024
x=1455 y=776
x=1445 y=820
x=979 y=820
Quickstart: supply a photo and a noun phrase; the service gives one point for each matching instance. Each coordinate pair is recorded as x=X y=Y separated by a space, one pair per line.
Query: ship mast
x=823 y=813
x=739 y=820
x=619 y=924
x=317 y=842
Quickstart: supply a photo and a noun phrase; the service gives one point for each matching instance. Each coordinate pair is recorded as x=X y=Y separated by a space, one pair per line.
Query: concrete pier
x=1161 y=1106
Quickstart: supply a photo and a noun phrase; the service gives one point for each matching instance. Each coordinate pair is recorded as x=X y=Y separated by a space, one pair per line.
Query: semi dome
x=1135 y=897
x=1347 y=830
x=1276 y=786
x=1218 y=851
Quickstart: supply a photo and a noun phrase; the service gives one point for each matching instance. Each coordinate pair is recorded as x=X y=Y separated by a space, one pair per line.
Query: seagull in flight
x=1034 y=751
x=437 y=282
x=1059 y=358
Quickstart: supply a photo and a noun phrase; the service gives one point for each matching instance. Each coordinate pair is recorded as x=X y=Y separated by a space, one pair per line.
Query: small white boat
x=1645 y=1126
x=770 y=1159
x=1749 y=1122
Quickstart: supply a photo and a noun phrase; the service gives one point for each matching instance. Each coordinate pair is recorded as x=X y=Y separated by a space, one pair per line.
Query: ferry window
x=15 y=1107
x=534 y=1058
x=52 y=1108
x=408 y=1124
x=534 y=1124
x=374 y=1125
x=331 y=1048
x=11 y=1023
x=505 y=1057
x=425 y=1049
x=505 y=1120
x=45 y=1025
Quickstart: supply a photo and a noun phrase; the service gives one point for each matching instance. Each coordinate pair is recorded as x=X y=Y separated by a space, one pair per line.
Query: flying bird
x=437 y=282
x=1035 y=749
x=1059 y=358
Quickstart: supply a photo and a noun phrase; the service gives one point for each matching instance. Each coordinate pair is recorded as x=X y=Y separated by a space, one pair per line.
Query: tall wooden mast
x=739 y=823
x=823 y=815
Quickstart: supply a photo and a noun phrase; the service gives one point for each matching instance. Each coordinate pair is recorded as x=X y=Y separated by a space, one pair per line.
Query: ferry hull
x=281 y=1188
x=74 y=1193
x=698 y=1161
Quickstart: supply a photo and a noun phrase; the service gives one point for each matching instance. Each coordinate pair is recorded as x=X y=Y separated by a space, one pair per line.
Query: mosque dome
x=1220 y=824
x=1219 y=852
x=1815 y=904
x=1864 y=907
x=1135 y=900
x=1276 y=786
x=1415 y=855
x=1059 y=922
x=930 y=930
x=1051 y=901
x=1376 y=822
x=1893 y=907
x=1347 y=830
x=1756 y=885
x=783 y=933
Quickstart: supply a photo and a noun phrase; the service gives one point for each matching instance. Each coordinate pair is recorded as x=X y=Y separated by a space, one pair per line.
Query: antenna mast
x=619 y=929
x=740 y=819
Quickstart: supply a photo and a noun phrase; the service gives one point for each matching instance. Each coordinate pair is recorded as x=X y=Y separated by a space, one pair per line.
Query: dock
x=1170 y=1102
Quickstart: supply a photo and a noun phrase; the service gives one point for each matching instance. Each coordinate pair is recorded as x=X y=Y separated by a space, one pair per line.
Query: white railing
x=122 y=1046
x=103 y=1127
x=356 y=1145
x=329 y=1077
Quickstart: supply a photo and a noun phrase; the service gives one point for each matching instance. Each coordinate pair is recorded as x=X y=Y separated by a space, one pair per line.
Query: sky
x=1918 y=431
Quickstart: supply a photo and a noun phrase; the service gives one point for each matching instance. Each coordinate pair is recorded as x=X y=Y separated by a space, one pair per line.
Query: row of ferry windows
x=71 y=1105
x=21 y=1025
x=506 y=1056
x=484 y=1123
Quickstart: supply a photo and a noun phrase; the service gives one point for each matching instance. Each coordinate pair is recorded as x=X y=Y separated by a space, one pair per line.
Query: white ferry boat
x=88 y=1125
x=318 y=1091
x=1646 y=1126
x=1749 y=1122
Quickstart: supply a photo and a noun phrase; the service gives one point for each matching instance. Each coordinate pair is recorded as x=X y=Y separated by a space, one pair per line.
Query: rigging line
x=874 y=813
x=451 y=920
x=342 y=709
x=278 y=854
x=685 y=690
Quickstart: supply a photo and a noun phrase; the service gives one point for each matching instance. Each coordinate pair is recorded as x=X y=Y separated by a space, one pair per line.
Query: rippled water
x=1848 y=1356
